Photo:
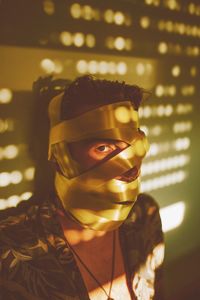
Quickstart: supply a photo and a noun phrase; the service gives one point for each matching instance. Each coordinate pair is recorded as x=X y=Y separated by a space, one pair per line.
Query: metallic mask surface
x=94 y=197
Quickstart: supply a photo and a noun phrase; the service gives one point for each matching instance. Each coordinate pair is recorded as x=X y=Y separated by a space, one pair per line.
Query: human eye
x=106 y=148
x=101 y=150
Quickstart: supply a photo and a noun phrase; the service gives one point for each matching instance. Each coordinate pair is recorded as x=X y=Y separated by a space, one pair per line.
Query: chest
x=96 y=266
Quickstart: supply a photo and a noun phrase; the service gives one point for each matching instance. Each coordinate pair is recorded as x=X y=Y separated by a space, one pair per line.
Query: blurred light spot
x=75 y=10
x=182 y=144
x=26 y=195
x=147 y=111
x=140 y=69
x=172 y=90
x=168 y=110
x=58 y=67
x=127 y=153
x=162 y=47
x=93 y=67
x=159 y=90
x=183 y=126
x=176 y=70
x=78 y=39
x=49 y=7
x=163 y=181
x=13 y=201
x=164 y=164
x=119 y=18
x=122 y=114
x=4 y=179
x=103 y=67
x=15 y=177
x=5 y=96
x=66 y=38
x=172 y=216
x=82 y=66
x=121 y=68
x=119 y=43
x=29 y=173
x=109 y=16
x=145 y=22
x=47 y=65
x=90 y=40
x=193 y=71
x=128 y=44
x=87 y=12
x=112 y=67
x=10 y=151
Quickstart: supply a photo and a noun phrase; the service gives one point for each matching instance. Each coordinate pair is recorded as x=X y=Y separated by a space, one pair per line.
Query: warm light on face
x=172 y=216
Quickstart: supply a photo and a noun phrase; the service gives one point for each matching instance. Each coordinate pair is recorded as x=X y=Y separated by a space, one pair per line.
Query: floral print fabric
x=36 y=262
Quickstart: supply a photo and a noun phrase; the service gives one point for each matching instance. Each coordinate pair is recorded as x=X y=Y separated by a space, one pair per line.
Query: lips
x=129 y=175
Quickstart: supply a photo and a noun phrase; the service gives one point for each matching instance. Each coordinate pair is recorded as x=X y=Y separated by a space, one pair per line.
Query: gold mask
x=94 y=197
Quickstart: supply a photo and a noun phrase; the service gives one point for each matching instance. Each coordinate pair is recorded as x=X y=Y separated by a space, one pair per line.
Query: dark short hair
x=88 y=91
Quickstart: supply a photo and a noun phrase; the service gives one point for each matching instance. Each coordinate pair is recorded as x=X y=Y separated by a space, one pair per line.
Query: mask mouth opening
x=129 y=175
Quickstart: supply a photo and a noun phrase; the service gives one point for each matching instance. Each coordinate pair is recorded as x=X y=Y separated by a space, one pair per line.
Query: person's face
x=89 y=153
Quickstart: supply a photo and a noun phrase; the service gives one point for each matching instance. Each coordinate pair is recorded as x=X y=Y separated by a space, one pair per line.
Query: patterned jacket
x=36 y=262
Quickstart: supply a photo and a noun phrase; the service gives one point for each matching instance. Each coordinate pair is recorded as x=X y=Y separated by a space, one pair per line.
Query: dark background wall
x=153 y=43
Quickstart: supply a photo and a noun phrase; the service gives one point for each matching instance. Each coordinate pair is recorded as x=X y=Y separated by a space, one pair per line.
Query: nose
x=129 y=175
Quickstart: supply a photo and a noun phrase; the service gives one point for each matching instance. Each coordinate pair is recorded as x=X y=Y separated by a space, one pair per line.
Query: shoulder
x=19 y=229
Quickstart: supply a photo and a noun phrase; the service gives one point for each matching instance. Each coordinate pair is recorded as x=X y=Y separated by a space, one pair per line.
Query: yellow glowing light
x=192 y=8
x=112 y=67
x=121 y=68
x=128 y=44
x=193 y=71
x=172 y=90
x=66 y=38
x=139 y=148
x=15 y=177
x=145 y=22
x=159 y=90
x=5 y=96
x=47 y=65
x=93 y=67
x=117 y=186
x=13 y=200
x=161 y=25
x=49 y=7
x=172 y=4
x=147 y=111
x=149 y=2
x=119 y=18
x=128 y=153
x=109 y=16
x=90 y=40
x=82 y=66
x=119 y=43
x=75 y=10
x=26 y=195
x=4 y=179
x=134 y=115
x=29 y=173
x=10 y=151
x=78 y=39
x=58 y=67
x=87 y=12
x=103 y=67
x=140 y=69
x=163 y=181
x=176 y=70
x=172 y=216
x=160 y=110
x=122 y=114
x=182 y=144
x=162 y=47
x=169 y=26
x=110 y=42
x=169 y=110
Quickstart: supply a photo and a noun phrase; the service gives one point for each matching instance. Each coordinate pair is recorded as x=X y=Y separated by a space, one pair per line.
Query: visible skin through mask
x=89 y=153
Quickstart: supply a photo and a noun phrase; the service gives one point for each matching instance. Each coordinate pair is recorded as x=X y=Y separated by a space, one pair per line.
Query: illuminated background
x=152 y=43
